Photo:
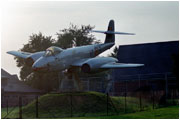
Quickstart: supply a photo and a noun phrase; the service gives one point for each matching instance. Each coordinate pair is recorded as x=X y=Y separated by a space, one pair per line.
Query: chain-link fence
x=85 y=104
x=64 y=105
x=141 y=93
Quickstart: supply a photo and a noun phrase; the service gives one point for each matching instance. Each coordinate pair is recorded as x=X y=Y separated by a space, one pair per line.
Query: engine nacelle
x=32 y=58
x=94 y=65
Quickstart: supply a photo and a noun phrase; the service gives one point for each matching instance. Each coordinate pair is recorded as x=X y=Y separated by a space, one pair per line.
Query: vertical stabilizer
x=110 y=33
x=110 y=37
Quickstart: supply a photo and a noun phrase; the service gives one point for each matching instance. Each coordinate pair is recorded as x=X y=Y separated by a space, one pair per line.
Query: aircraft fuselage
x=66 y=58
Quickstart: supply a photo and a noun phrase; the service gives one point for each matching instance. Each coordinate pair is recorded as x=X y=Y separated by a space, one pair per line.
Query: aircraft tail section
x=110 y=37
x=110 y=33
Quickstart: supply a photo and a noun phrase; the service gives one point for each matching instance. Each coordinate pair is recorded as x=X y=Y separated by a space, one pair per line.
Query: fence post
x=125 y=96
x=125 y=102
x=37 y=107
x=153 y=99
x=166 y=85
x=139 y=77
x=113 y=91
x=71 y=104
x=88 y=84
x=173 y=94
x=140 y=102
x=7 y=105
x=107 y=102
x=20 y=107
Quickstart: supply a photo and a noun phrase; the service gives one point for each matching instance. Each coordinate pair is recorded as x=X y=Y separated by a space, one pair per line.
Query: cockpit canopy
x=52 y=51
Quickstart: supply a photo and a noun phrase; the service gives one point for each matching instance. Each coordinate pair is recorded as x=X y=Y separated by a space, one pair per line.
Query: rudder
x=110 y=37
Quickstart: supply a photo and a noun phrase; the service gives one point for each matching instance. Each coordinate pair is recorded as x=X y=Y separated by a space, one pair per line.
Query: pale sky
x=150 y=21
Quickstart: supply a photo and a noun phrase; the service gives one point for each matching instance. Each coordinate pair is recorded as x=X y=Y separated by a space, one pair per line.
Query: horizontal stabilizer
x=111 y=32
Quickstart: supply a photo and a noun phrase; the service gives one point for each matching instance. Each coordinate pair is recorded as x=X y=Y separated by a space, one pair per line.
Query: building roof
x=14 y=85
x=4 y=73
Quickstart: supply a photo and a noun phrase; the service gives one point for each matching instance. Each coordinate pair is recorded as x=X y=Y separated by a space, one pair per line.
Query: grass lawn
x=12 y=112
x=89 y=105
x=171 y=112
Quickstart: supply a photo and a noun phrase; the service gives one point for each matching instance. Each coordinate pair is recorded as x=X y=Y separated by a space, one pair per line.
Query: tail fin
x=110 y=37
x=110 y=33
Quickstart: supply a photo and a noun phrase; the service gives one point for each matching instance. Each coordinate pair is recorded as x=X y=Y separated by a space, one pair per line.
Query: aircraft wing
x=20 y=54
x=101 y=65
x=120 y=65
x=79 y=63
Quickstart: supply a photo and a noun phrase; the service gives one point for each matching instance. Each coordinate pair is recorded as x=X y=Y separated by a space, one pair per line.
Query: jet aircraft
x=83 y=57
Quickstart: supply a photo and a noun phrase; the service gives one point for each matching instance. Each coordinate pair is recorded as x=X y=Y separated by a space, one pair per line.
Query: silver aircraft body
x=83 y=57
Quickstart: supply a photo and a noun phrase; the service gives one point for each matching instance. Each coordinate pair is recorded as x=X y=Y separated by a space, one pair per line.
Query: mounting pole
x=166 y=85
x=20 y=107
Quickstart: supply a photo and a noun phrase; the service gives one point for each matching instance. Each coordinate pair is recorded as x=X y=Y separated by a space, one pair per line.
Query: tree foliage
x=37 y=42
x=75 y=36
x=66 y=38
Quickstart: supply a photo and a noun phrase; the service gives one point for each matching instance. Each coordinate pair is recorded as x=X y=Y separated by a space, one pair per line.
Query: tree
x=71 y=37
x=74 y=36
x=37 y=42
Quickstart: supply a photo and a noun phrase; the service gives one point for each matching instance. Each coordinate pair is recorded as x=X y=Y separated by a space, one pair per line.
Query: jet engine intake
x=93 y=65
x=32 y=58
x=86 y=68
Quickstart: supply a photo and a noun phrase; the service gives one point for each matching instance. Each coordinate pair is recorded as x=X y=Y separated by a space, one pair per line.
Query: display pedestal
x=67 y=84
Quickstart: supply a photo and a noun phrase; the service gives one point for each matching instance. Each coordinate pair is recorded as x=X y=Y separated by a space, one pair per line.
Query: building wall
x=157 y=74
x=157 y=57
